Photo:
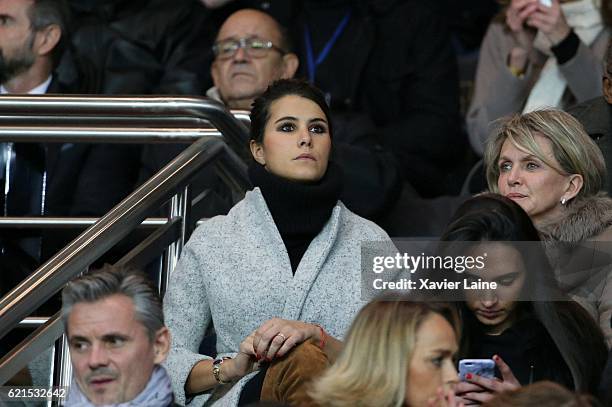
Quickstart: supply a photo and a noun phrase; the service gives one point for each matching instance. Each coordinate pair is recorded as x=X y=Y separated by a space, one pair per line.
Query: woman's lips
x=515 y=195
x=489 y=314
x=305 y=157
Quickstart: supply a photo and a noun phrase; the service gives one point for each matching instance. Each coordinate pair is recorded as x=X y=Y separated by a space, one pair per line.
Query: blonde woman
x=397 y=353
x=545 y=162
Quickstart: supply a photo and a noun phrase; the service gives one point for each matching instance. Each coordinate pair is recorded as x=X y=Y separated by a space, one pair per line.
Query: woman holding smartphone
x=526 y=325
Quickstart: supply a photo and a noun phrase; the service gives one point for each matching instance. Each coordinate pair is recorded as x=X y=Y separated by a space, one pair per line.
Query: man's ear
x=607 y=89
x=258 y=152
x=573 y=187
x=290 y=65
x=161 y=344
x=47 y=39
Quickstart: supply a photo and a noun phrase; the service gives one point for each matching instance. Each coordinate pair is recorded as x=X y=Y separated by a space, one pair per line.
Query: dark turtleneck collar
x=299 y=210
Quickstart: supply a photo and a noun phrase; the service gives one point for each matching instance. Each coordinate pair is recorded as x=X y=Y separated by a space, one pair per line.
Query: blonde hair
x=373 y=366
x=572 y=147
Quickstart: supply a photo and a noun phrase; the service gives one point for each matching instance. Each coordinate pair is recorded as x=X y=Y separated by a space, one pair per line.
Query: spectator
x=397 y=353
x=526 y=324
x=115 y=327
x=52 y=179
x=536 y=56
x=242 y=71
x=545 y=162
x=542 y=394
x=389 y=72
x=596 y=115
x=267 y=273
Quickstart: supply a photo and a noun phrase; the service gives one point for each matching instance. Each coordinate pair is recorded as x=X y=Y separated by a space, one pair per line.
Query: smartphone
x=480 y=367
x=546 y=3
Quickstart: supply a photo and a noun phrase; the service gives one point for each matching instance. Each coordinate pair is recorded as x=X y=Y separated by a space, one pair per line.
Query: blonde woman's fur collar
x=584 y=219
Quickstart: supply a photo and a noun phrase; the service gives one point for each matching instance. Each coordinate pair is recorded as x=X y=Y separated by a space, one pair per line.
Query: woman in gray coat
x=282 y=268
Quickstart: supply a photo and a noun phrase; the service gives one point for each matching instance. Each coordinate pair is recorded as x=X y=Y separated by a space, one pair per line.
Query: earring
x=563 y=201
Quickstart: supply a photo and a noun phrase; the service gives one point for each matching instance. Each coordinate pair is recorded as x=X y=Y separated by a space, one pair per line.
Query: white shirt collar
x=39 y=90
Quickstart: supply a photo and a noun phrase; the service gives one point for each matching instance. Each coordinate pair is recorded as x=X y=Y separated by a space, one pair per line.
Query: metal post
x=63 y=376
x=180 y=206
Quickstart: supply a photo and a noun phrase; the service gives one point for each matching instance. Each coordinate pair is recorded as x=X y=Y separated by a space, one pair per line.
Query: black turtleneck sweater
x=299 y=210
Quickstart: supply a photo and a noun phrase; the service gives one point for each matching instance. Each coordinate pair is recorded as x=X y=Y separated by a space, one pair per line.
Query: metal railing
x=128 y=215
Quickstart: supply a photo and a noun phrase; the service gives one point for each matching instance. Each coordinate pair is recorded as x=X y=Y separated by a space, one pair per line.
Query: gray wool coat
x=235 y=272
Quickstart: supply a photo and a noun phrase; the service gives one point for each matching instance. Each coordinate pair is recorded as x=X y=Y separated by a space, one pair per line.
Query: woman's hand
x=518 y=12
x=479 y=389
x=517 y=15
x=276 y=337
x=550 y=21
x=243 y=363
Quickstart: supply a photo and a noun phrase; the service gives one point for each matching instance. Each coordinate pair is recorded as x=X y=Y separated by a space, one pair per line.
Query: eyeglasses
x=254 y=47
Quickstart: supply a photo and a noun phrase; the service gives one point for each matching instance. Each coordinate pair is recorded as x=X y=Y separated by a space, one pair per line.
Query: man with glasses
x=251 y=51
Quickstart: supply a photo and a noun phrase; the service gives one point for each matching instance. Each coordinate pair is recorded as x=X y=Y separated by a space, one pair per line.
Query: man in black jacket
x=46 y=179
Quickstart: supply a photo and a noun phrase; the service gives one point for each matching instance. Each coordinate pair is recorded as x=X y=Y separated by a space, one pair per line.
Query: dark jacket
x=393 y=64
x=138 y=46
x=81 y=180
x=529 y=351
x=596 y=117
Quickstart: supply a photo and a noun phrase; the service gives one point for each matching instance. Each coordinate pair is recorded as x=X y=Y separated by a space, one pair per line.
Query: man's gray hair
x=111 y=280
x=44 y=13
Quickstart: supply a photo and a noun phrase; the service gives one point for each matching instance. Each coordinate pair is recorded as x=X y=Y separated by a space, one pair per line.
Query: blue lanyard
x=312 y=64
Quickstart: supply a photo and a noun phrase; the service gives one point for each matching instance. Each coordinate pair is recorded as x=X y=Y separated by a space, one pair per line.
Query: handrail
x=153 y=119
x=109 y=230
x=192 y=106
x=123 y=135
x=125 y=120
x=39 y=222
x=36 y=343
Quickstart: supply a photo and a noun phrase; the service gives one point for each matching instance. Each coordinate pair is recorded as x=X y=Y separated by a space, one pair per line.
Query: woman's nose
x=514 y=176
x=450 y=377
x=489 y=298
x=305 y=138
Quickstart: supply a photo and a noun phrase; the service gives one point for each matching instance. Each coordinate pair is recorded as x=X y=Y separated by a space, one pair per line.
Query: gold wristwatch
x=216 y=370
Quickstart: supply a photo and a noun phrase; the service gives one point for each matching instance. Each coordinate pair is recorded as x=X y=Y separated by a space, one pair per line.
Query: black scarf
x=299 y=210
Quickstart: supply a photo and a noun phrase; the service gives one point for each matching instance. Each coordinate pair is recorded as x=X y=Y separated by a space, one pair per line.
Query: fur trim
x=584 y=219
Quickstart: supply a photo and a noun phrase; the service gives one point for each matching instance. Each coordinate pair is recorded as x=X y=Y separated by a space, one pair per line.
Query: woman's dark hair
x=541 y=394
x=492 y=217
x=260 y=113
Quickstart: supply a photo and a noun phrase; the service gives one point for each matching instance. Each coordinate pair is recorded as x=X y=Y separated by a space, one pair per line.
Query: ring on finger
x=282 y=336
